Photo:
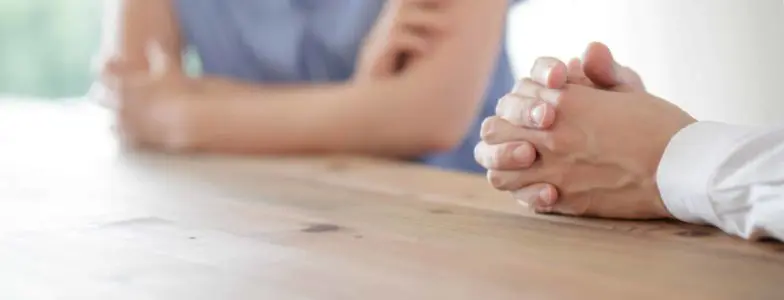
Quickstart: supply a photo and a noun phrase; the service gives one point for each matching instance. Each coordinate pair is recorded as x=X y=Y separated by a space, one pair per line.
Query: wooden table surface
x=80 y=219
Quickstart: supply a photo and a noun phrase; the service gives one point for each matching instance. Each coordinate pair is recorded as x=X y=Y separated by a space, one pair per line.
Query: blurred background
x=718 y=59
x=46 y=46
x=684 y=50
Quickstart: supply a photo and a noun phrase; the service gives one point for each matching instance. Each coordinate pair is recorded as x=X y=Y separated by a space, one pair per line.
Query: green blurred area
x=46 y=46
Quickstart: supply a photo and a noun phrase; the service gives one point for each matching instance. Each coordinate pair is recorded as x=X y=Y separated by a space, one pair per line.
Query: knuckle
x=479 y=154
x=489 y=128
x=499 y=156
x=553 y=143
x=503 y=152
x=526 y=87
x=514 y=109
x=501 y=105
x=492 y=157
x=522 y=154
x=495 y=179
x=542 y=68
x=570 y=95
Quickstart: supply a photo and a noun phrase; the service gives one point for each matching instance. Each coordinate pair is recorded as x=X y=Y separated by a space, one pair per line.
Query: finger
x=602 y=69
x=575 y=74
x=496 y=130
x=549 y=72
x=506 y=156
x=599 y=65
x=508 y=180
x=632 y=80
x=526 y=111
x=539 y=196
x=527 y=87
x=575 y=68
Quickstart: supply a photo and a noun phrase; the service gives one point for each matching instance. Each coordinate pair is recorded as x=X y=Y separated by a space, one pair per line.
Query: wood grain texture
x=80 y=219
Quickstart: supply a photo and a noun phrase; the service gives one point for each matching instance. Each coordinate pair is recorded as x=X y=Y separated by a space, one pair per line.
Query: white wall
x=718 y=59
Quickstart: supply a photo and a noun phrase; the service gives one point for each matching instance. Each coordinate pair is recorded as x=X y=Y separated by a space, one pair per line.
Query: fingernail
x=488 y=128
x=546 y=197
x=541 y=70
x=546 y=75
x=495 y=181
x=549 y=95
x=538 y=114
x=542 y=74
x=521 y=154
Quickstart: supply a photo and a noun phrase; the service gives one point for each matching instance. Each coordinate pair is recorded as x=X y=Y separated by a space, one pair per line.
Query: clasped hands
x=157 y=106
x=581 y=139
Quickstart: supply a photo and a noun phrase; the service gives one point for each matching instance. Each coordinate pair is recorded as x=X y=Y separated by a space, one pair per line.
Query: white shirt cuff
x=687 y=168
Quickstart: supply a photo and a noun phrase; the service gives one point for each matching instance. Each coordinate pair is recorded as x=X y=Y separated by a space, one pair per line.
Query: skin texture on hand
x=150 y=105
x=599 y=157
x=601 y=153
x=522 y=107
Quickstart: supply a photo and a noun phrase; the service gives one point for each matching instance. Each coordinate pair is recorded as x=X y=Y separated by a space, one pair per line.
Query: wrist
x=184 y=129
x=659 y=207
x=651 y=198
x=181 y=121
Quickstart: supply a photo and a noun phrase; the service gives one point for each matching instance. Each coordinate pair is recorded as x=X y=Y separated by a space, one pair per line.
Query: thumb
x=602 y=69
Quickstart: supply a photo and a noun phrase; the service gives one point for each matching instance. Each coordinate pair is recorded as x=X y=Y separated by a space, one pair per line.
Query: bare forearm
x=427 y=107
x=240 y=117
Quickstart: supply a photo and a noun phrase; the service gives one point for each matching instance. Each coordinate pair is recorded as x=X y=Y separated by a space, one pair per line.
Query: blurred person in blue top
x=408 y=79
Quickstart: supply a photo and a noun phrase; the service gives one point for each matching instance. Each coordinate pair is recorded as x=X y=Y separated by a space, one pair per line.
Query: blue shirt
x=306 y=41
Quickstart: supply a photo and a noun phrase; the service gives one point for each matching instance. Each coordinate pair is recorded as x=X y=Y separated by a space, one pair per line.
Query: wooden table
x=81 y=220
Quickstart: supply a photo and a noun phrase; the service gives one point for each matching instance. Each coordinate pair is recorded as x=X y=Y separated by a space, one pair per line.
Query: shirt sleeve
x=726 y=175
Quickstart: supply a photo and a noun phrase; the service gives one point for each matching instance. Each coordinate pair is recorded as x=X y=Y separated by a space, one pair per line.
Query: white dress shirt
x=726 y=175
